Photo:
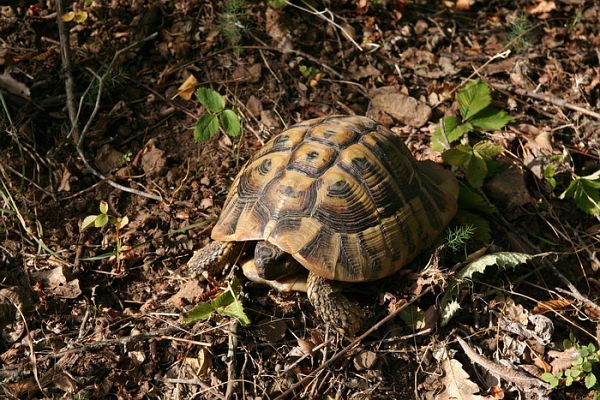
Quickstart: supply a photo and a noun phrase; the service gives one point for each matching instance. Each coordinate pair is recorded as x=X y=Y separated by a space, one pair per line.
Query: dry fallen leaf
x=542 y=7
x=463 y=5
x=457 y=384
x=551 y=305
x=187 y=88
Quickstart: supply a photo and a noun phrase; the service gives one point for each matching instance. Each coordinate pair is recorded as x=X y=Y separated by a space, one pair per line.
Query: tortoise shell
x=343 y=196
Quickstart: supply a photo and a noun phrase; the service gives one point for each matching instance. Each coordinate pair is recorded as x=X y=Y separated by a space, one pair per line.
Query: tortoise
x=340 y=196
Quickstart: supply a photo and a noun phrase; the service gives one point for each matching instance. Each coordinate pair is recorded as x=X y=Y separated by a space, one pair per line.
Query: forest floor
x=97 y=118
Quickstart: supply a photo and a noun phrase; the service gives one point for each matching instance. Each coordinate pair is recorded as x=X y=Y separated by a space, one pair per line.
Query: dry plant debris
x=97 y=103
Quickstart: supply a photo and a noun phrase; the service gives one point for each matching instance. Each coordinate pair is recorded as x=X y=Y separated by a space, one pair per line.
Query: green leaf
x=586 y=366
x=491 y=119
x=201 y=312
x=448 y=310
x=438 y=142
x=206 y=127
x=448 y=303
x=476 y=170
x=568 y=381
x=460 y=131
x=103 y=207
x=235 y=310
x=231 y=123
x=469 y=199
x=278 y=4
x=590 y=381
x=210 y=99
x=458 y=156
x=551 y=379
x=414 y=317
x=88 y=222
x=487 y=150
x=223 y=300
x=575 y=372
x=473 y=98
x=585 y=191
x=503 y=259
x=101 y=220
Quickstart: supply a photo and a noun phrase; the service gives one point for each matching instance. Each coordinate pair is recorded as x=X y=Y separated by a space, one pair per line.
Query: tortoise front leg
x=212 y=258
x=333 y=306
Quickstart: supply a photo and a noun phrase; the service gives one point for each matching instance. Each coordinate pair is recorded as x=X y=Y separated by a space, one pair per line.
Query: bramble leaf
x=487 y=150
x=473 y=98
x=231 y=123
x=210 y=99
x=491 y=119
x=206 y=127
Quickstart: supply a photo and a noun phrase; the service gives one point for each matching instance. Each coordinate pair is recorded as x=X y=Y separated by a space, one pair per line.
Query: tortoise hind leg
x=333 y=306
x=212 y=258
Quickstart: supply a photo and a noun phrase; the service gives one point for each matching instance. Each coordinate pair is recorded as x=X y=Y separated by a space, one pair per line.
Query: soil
x=101 y=312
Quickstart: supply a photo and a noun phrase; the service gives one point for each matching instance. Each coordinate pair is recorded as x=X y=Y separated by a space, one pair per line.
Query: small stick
x=352 y=345
x=65 y=55
x=233 y=343
x=509 y=374
x=547 y=99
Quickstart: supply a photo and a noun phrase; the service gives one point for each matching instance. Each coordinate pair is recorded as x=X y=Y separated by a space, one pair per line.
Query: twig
x=547 y=99
x=65 y=55
x=78 y=137
x=233 y=343
x=352 y=345
x=509 y=374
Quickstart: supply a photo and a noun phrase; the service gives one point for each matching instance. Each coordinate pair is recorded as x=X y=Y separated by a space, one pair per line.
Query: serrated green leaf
x=103 y=207
x=475 y=170
x=487 y=150
x=201 y=312
x=210 y=99
x=458 y=156
x=575 y=372
x=206 y=127
x=491 y=119
x=473 y=98
x=460 y=131
x=448 y=310
x=88 y=222
x=590 y=381
x=223 y=300
x=469 y=199
x=586 y=366
x=503 y=259
x=235 y=310
x=231 y=123
x=438 y=141
x=481 y=225
x=101 y=220
x=551 y=379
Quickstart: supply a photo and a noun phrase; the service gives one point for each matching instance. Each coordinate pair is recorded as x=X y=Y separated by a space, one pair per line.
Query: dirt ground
x=94 y=115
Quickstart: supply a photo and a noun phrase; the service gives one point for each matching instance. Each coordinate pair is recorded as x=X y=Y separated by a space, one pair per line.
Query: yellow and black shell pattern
x=343 y=196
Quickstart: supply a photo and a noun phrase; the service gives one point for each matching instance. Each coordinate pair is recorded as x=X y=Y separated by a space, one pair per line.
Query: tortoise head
x=272 y=262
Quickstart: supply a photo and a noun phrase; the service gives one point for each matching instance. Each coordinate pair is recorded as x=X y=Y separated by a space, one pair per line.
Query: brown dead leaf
x=402 y=108
x=254 y=106
x=463 y=5
x=153 y=160
x=187 y=88
x=542 y=7
x=457 y=384
x=551 y=305
x=365 y=360
x=562 y=359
